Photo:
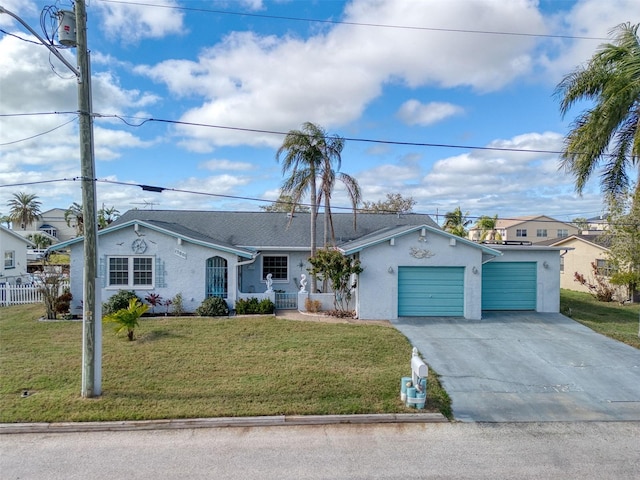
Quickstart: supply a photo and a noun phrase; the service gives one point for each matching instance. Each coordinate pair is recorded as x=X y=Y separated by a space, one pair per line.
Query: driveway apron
x=528 y=367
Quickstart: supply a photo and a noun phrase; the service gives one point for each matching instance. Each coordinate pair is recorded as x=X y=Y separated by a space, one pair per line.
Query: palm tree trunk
x=314 y=213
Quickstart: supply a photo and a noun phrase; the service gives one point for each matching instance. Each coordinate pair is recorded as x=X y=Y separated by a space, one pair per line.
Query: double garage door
x=439 y=291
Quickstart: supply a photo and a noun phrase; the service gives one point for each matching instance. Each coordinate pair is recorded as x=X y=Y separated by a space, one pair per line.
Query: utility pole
x=91 y=312
x=91 y=321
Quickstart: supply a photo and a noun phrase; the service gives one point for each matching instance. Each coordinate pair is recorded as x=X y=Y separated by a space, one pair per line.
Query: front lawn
x=191 y=367
x=608 y=318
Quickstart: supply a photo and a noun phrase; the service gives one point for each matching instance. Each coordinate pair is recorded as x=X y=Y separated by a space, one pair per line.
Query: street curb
x=173 y=424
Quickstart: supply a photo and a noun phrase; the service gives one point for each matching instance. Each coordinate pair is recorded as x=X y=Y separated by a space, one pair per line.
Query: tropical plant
x=128 y=318
x=488 y=228
x=178 y=304
x=395 y=203
x=329 y=174
x=74 y=214
x=301 y=157
x=118 y=301
x=609 y=131
x=456 y=222
x=331 y=265
x=24 y=208
x=106 y=216
x=40 y=240
x=6 y=219
x=212 y=307
x=153 y=299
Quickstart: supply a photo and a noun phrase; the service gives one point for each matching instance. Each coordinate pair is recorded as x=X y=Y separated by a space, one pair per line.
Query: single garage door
x=430 y=291
x=509 y=286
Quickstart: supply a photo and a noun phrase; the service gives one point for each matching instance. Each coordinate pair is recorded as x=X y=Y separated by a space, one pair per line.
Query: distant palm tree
x=106 y=216
x=301 y=156
x=74 y=213
x=488 y=228
x=331 y=162
x=609 y=131
x=455 y=222
x=24 y=209
x=40 y=240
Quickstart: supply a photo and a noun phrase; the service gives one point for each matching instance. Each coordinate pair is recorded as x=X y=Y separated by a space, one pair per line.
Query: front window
x=10 y=259
x=541 y=232
x=563 y=233
x=277 y=266
x=603 y=267
x=130 y=272
x=521 y=232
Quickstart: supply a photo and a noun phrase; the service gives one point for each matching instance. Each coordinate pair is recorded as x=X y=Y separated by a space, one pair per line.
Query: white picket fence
x=21 y=294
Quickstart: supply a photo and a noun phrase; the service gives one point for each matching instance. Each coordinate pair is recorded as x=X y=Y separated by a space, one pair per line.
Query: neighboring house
x=52 y=224
x=532 y=229
x=411 y=266
x=13 y=248
x=583 y=250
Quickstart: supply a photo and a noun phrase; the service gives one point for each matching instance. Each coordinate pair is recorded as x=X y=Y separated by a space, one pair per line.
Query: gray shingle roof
x=262 y=230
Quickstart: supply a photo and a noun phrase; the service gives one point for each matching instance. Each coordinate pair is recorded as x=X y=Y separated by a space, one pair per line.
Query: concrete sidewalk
x=528 y=367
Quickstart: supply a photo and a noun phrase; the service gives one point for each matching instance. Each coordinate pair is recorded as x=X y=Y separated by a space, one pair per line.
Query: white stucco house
x=13 y=248
x=411 y=266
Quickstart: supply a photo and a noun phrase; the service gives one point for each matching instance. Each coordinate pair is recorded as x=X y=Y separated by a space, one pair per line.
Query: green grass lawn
x=191 y=367
x=609 y=318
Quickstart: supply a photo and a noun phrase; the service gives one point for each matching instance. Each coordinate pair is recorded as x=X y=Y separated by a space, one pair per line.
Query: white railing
x=22 y=294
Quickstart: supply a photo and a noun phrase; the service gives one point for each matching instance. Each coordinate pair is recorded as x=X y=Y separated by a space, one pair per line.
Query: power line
x=357 y=24
x=38 y=134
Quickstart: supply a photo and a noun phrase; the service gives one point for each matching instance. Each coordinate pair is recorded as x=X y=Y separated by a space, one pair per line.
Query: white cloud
x=222 y=164
x=130 y=23
x=412 y=112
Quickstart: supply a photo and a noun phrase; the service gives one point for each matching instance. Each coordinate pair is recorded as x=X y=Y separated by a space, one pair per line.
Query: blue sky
x=428 y=77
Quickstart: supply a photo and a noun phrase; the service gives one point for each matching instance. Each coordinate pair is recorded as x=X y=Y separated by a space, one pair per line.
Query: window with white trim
x=541 y=232
x=277 y=266
x=521 y=232
x=130 y=272
x=9 y=259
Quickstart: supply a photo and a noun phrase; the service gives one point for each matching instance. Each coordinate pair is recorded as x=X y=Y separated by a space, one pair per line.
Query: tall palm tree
x=24 y=208
x=456 y=222
x=330 y=173
x=301 y=156
x=74 y=213
x=609 y=131
x=488 y=228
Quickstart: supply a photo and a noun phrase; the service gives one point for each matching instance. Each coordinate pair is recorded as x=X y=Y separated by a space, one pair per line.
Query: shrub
x=212 y=307
x=252 y=306
x=153 y=299
x=119 y=301
x=63 y=302
x=127 y=318
x=178 y=307
x=312 y=306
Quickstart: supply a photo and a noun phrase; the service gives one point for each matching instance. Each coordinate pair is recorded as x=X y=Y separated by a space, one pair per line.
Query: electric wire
x=38 y=134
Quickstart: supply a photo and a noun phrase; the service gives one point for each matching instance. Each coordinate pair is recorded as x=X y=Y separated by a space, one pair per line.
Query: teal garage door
x=509 y=286
x=430 y=291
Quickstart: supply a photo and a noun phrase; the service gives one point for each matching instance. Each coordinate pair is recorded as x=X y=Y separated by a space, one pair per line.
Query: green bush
x=252 y=306
x=212 y=307
x=119 y=301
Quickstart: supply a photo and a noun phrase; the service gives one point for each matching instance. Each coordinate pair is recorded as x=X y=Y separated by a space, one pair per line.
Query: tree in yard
x=581 y=223
x=106 y=216
x=488 y=228
x=608 y=133
x=74 y=214
x=329 y=264
x=456 y=222
x=128 y=318
x=330 y=173
x=395 y=203
x=301 y=157
x=285 y=204
x=24 y=208
x=40 y=240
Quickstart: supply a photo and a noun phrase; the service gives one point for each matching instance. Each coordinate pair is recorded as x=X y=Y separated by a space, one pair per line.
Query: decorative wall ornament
x=420 y=253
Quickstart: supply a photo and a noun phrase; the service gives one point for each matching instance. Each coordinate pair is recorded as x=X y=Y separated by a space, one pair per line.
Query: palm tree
x=24 y=209
x=330 y=172
x=488 y=228
x=301 y=156
x=106 y=216
x=455 y=222
x=609 y=131
x=74 y=212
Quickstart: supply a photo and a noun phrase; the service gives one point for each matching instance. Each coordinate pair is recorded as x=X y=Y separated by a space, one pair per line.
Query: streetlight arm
x=35 y=34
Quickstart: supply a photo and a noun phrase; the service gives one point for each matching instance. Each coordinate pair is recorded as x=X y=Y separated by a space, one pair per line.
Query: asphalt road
x=587 y=450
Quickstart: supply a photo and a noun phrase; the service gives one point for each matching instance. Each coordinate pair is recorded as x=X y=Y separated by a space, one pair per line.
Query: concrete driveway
x=528 y=367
